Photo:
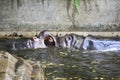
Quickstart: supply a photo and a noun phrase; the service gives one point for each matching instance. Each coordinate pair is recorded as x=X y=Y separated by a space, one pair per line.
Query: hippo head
x=44 y=40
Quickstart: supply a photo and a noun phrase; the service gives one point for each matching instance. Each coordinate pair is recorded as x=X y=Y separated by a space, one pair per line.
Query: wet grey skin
x=72 y=41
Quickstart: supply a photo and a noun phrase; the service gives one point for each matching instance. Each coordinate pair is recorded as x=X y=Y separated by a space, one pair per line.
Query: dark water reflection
x=64 y=64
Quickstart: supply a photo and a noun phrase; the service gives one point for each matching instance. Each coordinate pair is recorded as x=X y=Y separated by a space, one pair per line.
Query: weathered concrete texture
x=14 y=68
x=37 y=15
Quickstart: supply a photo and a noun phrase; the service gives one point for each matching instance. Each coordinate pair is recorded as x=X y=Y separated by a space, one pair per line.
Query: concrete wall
x=59 y=15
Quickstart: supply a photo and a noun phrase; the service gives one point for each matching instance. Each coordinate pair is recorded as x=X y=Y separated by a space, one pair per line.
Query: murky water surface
x=65 y=64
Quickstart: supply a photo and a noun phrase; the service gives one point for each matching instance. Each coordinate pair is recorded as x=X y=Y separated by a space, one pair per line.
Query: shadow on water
x=65 y=64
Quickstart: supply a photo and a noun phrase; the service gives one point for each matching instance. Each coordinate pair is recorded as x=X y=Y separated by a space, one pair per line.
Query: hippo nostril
x=32 y=39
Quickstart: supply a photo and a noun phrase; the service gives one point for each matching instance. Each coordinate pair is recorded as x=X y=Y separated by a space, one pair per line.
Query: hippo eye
x=49 y=41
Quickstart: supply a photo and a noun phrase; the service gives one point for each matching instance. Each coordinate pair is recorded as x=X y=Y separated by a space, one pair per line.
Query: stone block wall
x=59 y=15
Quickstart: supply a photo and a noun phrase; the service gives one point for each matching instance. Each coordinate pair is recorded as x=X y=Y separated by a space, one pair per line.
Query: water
x=65 y=64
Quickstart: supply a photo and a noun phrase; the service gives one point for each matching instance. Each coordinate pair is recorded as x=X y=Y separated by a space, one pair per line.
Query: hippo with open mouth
x=73 y=41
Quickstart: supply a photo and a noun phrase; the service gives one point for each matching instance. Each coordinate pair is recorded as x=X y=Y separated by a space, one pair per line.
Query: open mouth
x=42 y=42
x=49 y=41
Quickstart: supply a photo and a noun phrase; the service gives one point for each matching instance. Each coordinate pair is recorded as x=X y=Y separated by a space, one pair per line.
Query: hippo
x=72 y=41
